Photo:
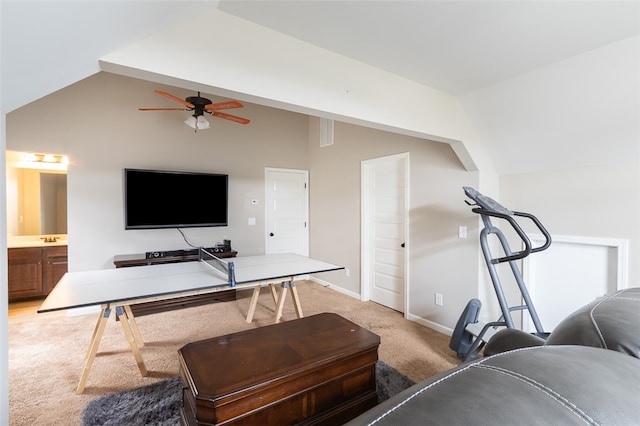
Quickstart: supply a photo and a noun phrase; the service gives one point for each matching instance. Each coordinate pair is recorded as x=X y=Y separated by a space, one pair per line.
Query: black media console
x=217 y=250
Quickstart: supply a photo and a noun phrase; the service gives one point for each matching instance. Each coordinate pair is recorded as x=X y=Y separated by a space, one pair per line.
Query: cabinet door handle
x=271 y=234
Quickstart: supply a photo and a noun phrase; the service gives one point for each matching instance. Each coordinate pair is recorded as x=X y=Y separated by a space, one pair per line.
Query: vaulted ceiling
x=512 y=65
x=453 y=46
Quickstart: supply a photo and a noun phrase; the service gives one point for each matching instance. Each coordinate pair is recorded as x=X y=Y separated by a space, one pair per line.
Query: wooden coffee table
x=314 y=370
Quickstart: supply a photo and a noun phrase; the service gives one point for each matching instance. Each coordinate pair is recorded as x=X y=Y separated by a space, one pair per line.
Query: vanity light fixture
x=45 y=158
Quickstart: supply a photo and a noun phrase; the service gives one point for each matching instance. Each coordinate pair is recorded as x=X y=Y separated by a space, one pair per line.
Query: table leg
x=274 y=293
x=281 y=299
x=126 y=326
x=134 y=326
x=93 y=347
x=95 y=330
x=296 y=299
x=254 y=303
x=278 y=300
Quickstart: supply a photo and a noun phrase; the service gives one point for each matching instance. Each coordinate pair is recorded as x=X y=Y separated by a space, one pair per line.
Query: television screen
x=172 y=199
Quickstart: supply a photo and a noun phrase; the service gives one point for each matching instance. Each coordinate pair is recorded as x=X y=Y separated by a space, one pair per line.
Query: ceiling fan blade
x=231 y=117
x=162 y=109
x=223 y=105
x=174 y=98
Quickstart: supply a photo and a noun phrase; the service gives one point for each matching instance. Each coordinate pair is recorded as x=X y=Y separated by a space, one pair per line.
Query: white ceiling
x=470 y=49
x=454 y=46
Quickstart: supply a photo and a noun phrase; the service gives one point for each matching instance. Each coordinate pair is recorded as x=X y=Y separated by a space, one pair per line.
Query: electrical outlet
x=438 y=299
x=347 y=272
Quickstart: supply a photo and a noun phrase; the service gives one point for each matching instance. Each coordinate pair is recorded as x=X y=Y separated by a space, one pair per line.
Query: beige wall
x=439 y=260
x=96 y=123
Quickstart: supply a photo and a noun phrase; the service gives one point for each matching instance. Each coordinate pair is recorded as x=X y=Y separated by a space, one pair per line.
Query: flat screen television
x=174 y=199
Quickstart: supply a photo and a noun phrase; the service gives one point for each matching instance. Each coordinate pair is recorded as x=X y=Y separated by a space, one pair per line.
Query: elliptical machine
x=469 y=335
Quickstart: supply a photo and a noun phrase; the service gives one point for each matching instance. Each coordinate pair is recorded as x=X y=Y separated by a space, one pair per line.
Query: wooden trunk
x=314 y=370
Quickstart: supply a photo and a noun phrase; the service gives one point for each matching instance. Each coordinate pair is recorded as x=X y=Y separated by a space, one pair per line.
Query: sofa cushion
x=509 y=339
x=609 y=322
x=545 y=385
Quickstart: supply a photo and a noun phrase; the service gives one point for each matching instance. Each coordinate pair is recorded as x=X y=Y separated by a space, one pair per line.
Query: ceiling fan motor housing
x=198 y=103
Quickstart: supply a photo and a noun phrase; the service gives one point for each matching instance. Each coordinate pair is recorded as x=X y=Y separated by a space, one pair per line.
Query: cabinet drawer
x=56 y=251
x=25 y=253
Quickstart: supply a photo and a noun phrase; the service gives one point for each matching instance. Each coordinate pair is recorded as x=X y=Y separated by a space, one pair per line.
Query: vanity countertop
x=35 y=241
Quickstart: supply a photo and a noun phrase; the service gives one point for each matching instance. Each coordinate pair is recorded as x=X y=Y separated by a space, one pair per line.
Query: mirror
x=36 y=195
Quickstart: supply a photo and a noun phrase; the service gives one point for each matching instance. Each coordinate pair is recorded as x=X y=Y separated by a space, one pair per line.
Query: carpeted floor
x=46 y=351
x=159 y=404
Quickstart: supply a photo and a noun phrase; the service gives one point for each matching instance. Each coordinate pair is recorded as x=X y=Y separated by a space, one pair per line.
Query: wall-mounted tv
x=174 y=199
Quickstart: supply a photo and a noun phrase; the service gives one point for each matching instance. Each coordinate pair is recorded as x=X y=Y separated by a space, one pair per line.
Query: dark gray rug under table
x=159 y=404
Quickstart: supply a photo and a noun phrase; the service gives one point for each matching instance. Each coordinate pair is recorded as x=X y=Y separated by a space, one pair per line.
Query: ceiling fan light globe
x=191 y=122
x=202 y=123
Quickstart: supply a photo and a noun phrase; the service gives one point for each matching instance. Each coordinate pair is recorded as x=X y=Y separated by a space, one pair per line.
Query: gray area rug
x=159 y=404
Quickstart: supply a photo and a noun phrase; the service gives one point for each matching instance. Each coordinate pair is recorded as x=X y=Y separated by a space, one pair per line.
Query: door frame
x=365 y=237
x=268 y=170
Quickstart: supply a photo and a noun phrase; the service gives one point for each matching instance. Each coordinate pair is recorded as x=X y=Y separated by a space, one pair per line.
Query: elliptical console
x=485 y=202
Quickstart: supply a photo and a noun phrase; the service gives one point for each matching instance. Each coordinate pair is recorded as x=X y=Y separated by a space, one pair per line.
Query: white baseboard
x=336 y=288
x=429 y=324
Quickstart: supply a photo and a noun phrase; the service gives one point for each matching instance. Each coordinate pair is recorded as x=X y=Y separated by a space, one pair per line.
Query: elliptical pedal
x=462 y=339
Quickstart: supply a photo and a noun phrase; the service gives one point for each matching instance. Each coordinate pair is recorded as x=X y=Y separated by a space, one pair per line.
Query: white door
x=384 y=210
x=286 y=210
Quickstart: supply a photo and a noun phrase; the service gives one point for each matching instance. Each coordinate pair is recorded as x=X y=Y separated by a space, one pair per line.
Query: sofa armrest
x=544 y=385
x=609 y=322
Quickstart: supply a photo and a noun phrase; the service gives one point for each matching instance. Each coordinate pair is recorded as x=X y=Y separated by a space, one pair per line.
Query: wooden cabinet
x=55 y=266
x=25 y=272
x=34 y=271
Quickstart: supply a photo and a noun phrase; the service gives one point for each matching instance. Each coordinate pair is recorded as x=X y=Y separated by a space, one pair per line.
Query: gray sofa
x=586 y=372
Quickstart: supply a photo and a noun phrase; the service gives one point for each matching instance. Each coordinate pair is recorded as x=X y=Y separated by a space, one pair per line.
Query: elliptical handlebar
x=509 y=218
x=541 y=228
x=489 y=207
x=528 y=248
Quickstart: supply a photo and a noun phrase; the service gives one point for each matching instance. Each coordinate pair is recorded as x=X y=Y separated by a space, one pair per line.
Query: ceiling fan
x=199 y=106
